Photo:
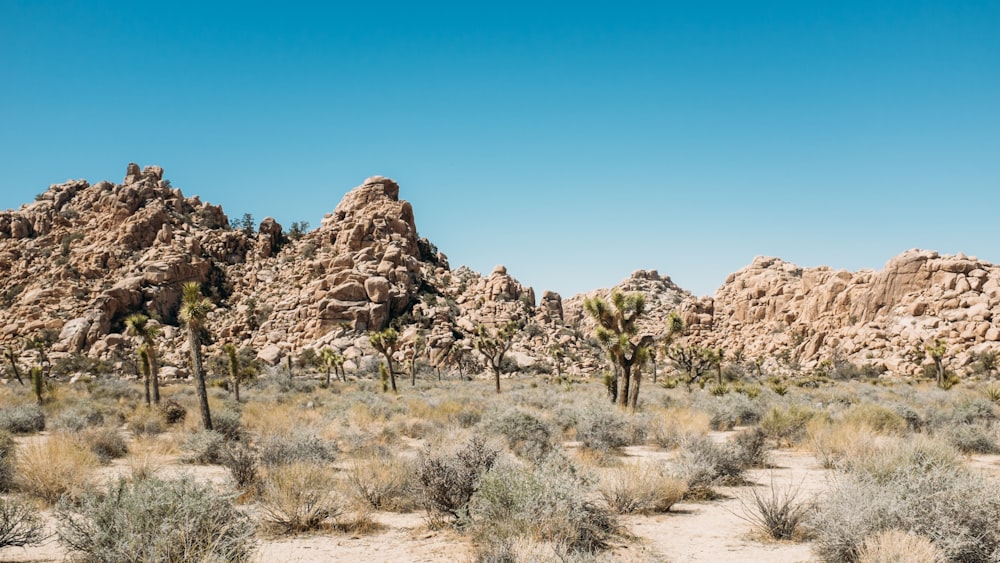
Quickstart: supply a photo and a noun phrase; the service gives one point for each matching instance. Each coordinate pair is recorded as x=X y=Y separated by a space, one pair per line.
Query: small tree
x=138 y=325
x=937 y=350
x=416 y=350
x=194 y=313
x=618 y=332
x=332 y=361
x=235 y=374
x=38 y=383
x=693 y=360
x=385 y=343
x=494 y=344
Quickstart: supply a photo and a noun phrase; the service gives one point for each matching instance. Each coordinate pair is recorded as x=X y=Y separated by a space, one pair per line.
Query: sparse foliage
x=493 y=344
x=618 y=332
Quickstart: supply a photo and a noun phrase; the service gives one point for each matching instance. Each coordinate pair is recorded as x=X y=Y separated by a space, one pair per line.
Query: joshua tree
x=38 y=383
x=139 y=325
x=12 y=356
x=194 y=312
x=936 y=351
x=385 y=343
x=417 y=348
x=333 y=362
x=618 y=333
x=234 y=368
x=144 y=368
x=494 y=344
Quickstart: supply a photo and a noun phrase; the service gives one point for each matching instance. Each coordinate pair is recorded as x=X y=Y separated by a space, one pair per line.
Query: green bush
x=8 y=467
x=915 y=486
x=301 y=444
x=22 y=419
x=604 y=428
x=205 y=447
x=527 y=436
x=155 y=520
x=106 y=443
x=546 y=503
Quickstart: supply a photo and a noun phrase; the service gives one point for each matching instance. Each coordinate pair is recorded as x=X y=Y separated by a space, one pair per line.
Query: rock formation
x=82 y=257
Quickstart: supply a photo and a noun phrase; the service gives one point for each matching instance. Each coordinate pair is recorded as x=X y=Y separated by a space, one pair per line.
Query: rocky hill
x=81 y=258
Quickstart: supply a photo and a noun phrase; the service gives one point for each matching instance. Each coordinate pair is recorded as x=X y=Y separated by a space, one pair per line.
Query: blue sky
x=573 y=142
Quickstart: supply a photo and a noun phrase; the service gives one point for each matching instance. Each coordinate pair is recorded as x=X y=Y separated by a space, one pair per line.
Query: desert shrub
x=527 y=436
x=604 y=428
x=115 y=390
x=834 y=443
x=881 y=419
x=51 y=468
x=448 y=475
x=205 y=447
x=787 y=425
x=669 y=428
x=297 y=497
x=897 y=546
x=970 y=438
x=298 y=444
x=751 y=448
x=915 y=486
x=8 y=466
x=967 y=410
x=243 y=464
x=909 y=414
x=156 y=520
x=227 y=423
x=704 y=463
x=25 y=418
x=548 y=502
x=729 y=410
x=776 y=513
x=20 y=524
x=78 y=418
x=641 y=488
x=380 y=481
x=172 y=411
x=106 y=443
x=145 y=421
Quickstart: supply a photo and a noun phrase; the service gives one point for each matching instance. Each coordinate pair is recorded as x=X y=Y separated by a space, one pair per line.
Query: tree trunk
x=195 y=348
x=154 y=374
x=413 y=373
x=13 y=364
x=940 y=372
x=327 y=375
x=236 y=388
x=392 y=372
x=496 y=377
x=623 y=394
x=635 y=390
x=719 y=367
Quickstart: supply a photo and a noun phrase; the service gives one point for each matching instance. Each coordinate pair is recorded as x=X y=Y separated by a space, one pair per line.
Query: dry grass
x=897 y=546
x=381 y=482
x=669 y=428
x=835 y=442
x=298 y=497
x=50 y=468
x=641 y=488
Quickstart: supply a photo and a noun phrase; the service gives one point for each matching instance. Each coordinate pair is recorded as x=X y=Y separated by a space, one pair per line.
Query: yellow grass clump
x=52 y=466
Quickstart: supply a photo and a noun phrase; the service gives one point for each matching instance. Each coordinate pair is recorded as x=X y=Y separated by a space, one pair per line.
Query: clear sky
x=573 y=142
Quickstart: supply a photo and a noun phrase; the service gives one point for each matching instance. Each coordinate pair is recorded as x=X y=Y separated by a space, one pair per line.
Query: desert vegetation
x=550 y=469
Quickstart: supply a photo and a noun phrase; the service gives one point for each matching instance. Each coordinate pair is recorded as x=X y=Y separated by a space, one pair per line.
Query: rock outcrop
x=81 y=258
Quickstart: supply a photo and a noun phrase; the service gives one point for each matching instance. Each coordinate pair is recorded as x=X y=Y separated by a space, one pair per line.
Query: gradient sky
x=573 y=142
